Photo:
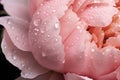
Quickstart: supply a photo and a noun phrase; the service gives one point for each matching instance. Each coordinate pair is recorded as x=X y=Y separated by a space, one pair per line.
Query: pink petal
x=21 y=59
x=75 y=45
x=113 y=41
x=67 y=23
x=17 y=8
x=80 y=4
x=17 y=30
x=44 y=35
x=46 y=43
x=47 y=76
x=109 y=59
x=98 y=15
x=34 y=4
x=72 y=76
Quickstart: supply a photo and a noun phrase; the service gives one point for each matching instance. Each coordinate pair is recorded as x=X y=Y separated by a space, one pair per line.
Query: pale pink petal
x=113 y=41
x=109 y=76
x=80 y=4
x=34 y=4
x=47 y=44
x=118 y=73
x=44 y=35
x=73 y=76
x=47 y=76
x=105 y=61
x=98 y=15
x=21 y=59
x=17 y=8
x=67 y=23
x=17 y=30
x=75 y=46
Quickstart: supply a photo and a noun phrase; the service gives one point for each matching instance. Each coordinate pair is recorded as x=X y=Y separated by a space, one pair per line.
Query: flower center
x=107 y=36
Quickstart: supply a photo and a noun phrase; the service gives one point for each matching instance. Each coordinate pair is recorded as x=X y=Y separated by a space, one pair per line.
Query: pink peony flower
x=63 y=39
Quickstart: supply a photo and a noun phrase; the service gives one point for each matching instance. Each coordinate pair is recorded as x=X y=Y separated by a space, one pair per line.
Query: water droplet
x=78 y=27
x=56 y=39
x=8 y=21
x=67 y=47
x=42 y=31
x=48 y=36
x=24 y=74
x=63 y=61
x=45 y=23
x=36 y=22
x=39 y=47
x=43 y=54
x=54 y=11
x=5 y=47
x=107 y=50
x=22 y=65
x=38 y=12
x=35 y=33
x=36 y=29
x=92 y=50
x=14 y=57
x=57 y=25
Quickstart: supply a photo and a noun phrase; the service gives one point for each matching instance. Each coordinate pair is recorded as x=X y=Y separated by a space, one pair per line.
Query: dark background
x=7 y=70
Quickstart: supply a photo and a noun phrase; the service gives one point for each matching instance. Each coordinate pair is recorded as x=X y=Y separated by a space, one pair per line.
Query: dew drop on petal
x=42 y=31
x=36 y=29
x=54 y=11
x=56 y=39
x=5 y=47
x=36 y=22
x=14 y=58
x=8 y=21
x=48 y=36
x=57 y=25
x=39 y=47
x=43 y=54
x=22 y=65
x=78 y=27
x=63 y=61
x=24 y=74
x=92 y=50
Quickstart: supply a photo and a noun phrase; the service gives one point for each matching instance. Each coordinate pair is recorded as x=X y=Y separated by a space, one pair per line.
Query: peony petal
x=23 y=60
x=17 y=8
x=45 y=76
x=109 y=59
x=80 y=4
x=17 y=30
x=67 y=23
x=72 y=76
x=75 y=45
x=44 y=35
x=98 y=15
x=34 y=4
x=113 y=41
